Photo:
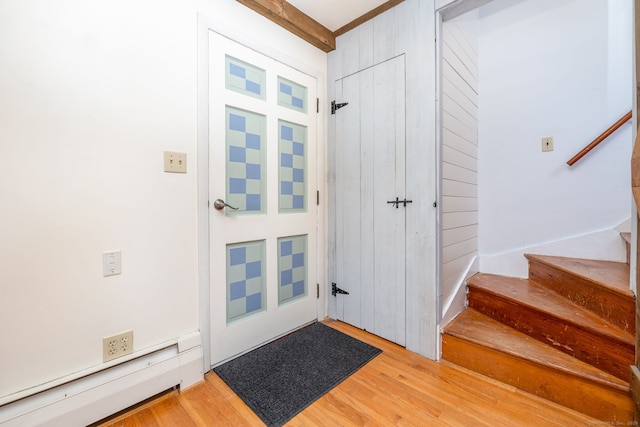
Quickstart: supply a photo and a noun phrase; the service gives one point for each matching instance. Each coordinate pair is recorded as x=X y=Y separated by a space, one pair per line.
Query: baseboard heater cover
x=99 y=395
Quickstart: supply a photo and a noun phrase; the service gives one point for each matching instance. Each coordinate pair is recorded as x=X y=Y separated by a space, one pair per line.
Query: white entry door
x=371 y=200
x=263 y=213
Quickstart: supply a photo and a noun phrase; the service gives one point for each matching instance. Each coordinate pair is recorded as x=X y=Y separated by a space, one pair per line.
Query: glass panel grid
x=244 y=78
x=245 y=279
x=292 y=171
x=292 y=95
x=292 y=268
x=245 y=162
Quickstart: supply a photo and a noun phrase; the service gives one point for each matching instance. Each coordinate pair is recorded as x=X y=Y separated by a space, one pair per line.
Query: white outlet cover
x=117 y=346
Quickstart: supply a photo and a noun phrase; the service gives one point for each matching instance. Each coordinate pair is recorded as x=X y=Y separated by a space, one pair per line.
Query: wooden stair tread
x=528 y=293
x=475 y=327
x=610 y=275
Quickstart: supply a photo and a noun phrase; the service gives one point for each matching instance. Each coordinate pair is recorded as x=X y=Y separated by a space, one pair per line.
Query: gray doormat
x=280 y=379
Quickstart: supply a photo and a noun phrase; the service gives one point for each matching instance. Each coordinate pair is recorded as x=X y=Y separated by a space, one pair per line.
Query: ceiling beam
x=297 y=22
x=366 y=17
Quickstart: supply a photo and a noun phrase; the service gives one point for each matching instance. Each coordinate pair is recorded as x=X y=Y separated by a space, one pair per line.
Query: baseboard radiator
x=98 y=395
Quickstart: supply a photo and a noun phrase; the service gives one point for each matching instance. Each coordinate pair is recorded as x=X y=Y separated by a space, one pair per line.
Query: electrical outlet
x=547 y=143
x=117 y=346
x=175 y=162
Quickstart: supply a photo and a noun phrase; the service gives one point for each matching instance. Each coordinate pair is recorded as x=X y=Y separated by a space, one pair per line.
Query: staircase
x=566 y=333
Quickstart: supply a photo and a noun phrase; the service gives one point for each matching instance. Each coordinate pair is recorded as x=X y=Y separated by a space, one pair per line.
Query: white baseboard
x=603 y=245
x=101 y=394
x=458 y=299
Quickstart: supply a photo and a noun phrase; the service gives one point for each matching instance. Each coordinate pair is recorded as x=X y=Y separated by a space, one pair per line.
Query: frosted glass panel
x=245 y=279
x=245 y=166
x=293 y=167
x=243 y=77
x=292 y=268
x=292 y=95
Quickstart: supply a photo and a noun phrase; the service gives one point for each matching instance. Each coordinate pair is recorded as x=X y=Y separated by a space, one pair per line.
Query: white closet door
x=371 y=200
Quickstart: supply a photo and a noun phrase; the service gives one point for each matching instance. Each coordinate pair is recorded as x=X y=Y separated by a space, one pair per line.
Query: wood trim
x=635 y=171
x=295 y=21
x=367 y=17
x=637 y=49
x=635 y=388
x=302 y=25
x=599 y=139
x=635 y=188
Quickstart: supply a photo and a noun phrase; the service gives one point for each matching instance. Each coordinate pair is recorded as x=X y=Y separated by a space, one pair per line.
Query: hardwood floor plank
x=241 y=408
x=149 y=413
x=170 y=413
x=207 y=407
x=397 y=388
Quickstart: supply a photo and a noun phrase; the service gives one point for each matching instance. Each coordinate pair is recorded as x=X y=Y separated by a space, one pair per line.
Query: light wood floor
x=397 y=388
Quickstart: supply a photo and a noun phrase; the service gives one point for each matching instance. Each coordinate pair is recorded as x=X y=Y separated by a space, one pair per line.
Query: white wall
x=91 y=94
x=559 y=68
x=459 y=156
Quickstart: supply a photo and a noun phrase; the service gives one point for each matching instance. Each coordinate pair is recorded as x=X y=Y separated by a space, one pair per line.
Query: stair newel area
x=567 y=333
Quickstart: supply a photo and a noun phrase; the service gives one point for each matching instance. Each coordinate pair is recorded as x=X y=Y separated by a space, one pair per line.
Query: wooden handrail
x=599 y=139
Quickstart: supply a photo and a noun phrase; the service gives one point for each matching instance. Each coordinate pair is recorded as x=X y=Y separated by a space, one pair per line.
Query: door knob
x=220 y=204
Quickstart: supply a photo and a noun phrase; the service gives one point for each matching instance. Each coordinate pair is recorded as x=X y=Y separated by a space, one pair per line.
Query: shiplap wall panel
x=457 y=267
x=457 y=62
x=456 y=142
x=460 y=249
x=367 y=175
x=453 y=32
x=459 y=167
x=459 y=234
x=389 y=225
x=348 y=202
x=459 y=219
x=461 y=48
x=466 y=102
x=461 y=114
x=449 y=74
x=455 y=188
x=458 y=173
x=459 y=204
x=454 y=120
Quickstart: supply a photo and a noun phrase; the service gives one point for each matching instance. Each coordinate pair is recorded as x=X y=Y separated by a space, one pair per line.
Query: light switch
x=111 y=263
x=547 y=143
x=175 y=162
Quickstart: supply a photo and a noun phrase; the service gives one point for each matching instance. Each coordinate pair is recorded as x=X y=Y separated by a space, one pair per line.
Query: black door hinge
x=318 y=198
x=318 y=290
x=336 y=290
x=335 y=107
x=317 y=105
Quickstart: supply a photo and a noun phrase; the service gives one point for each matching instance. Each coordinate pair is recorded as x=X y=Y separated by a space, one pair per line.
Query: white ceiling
x=334 y=14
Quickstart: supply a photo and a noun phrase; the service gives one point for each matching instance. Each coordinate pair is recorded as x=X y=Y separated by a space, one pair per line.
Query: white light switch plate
x=111 y=263
x=175 y=162
x=547 y=143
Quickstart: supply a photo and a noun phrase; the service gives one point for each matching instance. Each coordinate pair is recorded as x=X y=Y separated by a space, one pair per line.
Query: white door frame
x=444 y=10
x=206 y=24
